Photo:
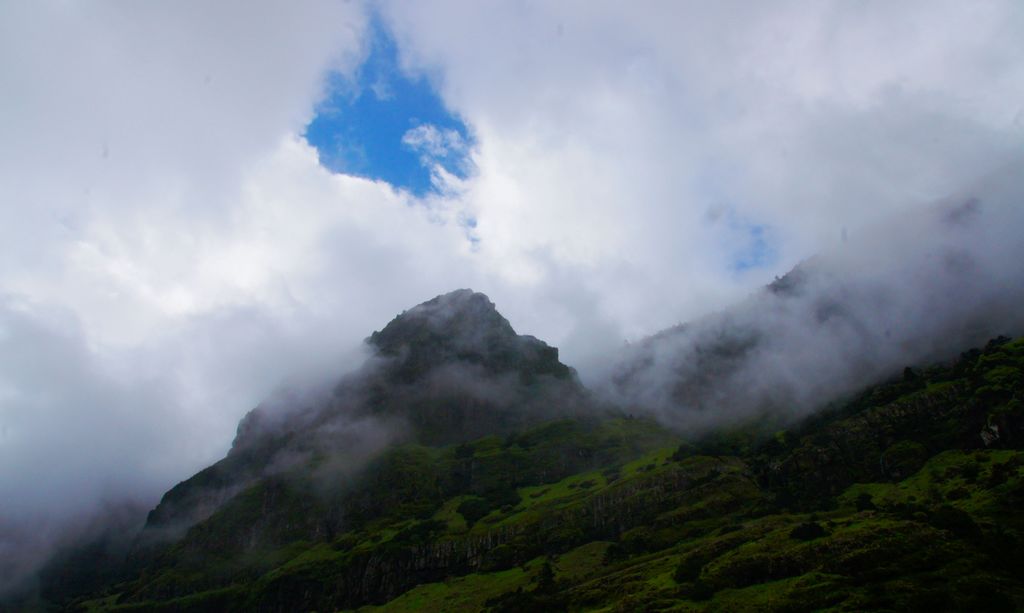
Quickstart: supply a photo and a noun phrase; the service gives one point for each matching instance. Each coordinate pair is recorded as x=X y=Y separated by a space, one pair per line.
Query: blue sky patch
x=388 y=125
x=755 y=250
x=747 y=245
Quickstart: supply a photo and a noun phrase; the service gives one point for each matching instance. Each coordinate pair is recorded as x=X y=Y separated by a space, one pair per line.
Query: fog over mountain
x=913 y=290
x=624 y=185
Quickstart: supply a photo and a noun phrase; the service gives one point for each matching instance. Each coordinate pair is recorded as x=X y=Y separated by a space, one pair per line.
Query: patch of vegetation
x=904 y=497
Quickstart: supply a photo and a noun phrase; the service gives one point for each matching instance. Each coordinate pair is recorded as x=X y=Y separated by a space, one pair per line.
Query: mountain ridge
x=462 y=451
x=899 y=498
x=458 y=353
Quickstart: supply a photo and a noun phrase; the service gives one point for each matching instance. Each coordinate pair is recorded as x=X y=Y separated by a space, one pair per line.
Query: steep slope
x=463 y=467
x=449 y=370
x=455 y=369
x=903 y=498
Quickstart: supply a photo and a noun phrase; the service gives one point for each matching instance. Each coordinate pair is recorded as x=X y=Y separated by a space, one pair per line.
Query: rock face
x=454 y=369
x=463 y=327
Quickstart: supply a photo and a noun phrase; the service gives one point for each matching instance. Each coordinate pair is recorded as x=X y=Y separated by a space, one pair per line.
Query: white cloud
x=130 y=220
x=606 y=133
x=434 y=142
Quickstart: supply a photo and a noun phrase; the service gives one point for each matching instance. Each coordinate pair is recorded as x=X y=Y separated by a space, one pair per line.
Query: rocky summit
x=463 y=327
x=446 y=371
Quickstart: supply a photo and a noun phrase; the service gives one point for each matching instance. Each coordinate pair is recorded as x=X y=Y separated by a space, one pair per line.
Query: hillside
x=465 y=468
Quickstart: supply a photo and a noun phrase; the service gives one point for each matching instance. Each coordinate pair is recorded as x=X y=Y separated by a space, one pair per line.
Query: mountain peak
x=462 y=318
x=462 y=326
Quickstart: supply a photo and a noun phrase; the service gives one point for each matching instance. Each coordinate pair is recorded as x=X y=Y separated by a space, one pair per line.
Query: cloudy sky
x=199 y=200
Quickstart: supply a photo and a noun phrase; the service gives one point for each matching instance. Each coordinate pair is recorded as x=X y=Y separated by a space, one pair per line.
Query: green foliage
x=419 y=532
x=956 y=521
x=889 y=501
x=689 y=569
x=807 y=531
x=405 y=481
x=903 y=459
x=502 y=496
x=864 y=502
x=473 y=508
x=546 y=579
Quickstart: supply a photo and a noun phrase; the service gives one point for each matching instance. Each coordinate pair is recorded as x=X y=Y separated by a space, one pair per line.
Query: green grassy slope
x=904 y=498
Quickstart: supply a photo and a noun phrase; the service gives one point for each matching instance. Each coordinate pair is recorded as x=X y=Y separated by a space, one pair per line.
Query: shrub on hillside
x=472 y=509
x=807 y=531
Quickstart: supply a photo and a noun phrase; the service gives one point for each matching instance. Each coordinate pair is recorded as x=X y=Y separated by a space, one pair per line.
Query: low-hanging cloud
x=916 y=290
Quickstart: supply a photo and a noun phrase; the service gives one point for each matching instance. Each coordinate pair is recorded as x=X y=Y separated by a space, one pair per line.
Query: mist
x=911 y=291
